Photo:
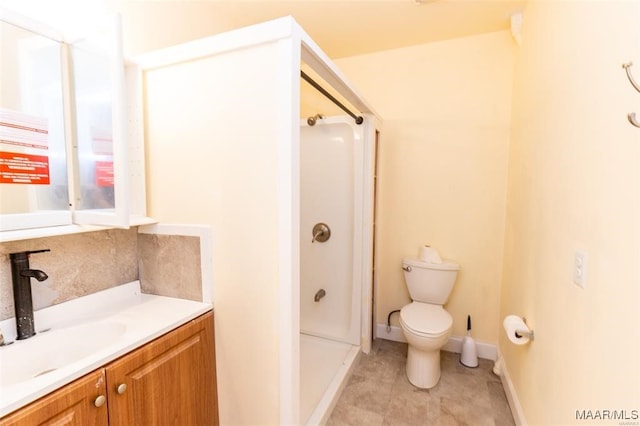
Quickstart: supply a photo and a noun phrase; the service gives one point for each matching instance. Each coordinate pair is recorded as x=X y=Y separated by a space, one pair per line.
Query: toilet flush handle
x=407 y=268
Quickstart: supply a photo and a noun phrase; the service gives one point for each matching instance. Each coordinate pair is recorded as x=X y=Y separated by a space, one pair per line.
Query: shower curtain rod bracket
x=358 y=118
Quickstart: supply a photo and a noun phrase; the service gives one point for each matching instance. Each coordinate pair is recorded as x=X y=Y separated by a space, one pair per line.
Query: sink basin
x=49 y=350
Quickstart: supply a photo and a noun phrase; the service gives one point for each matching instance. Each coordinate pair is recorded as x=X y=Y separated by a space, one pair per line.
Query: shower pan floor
x=321 y=362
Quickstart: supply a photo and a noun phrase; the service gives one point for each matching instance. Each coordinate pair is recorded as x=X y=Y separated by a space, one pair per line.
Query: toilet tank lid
x=446 y=265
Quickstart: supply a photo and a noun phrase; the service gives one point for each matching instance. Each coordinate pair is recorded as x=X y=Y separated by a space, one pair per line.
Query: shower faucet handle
x=320 y=232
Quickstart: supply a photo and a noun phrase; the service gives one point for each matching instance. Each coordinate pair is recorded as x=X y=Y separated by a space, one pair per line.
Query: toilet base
x=423 y=368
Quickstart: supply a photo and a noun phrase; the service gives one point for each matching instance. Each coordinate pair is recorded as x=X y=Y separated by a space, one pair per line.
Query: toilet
x=425 y=323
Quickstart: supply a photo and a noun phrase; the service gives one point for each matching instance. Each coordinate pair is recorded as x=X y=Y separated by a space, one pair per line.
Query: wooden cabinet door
x=73 y=404
x=170 y=381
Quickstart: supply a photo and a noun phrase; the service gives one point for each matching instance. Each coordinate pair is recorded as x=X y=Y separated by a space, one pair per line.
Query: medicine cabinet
x=71 y=148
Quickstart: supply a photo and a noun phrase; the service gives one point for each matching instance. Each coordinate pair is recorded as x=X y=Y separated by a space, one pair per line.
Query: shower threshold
x=325 y=367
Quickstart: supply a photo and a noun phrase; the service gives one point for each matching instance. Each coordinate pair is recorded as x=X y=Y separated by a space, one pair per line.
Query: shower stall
x=332 y=239
x=289 y=204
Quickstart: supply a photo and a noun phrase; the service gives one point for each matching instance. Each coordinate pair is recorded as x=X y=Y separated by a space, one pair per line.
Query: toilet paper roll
x=511 y=324
x=430 y=255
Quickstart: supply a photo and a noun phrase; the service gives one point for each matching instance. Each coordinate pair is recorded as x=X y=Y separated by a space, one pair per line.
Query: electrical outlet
x=580 y=268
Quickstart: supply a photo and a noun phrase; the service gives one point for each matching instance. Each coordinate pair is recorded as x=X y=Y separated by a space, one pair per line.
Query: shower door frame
x=311 y=55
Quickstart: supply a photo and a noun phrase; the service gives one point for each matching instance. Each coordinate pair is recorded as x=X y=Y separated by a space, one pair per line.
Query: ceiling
x=341 y=28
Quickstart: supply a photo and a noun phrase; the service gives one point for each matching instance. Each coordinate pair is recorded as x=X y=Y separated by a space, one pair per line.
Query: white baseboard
x=394 y=334
x=510 y=392
x=485 y=350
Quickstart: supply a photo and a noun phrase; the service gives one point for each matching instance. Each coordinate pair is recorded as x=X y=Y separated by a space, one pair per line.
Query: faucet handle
x=38 y=251
x=25 y=254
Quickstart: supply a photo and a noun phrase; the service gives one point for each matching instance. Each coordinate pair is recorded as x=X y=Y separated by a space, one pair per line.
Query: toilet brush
x=469 y=354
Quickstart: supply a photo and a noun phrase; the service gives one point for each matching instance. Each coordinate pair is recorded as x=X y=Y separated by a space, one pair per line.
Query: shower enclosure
x=222 y=118
x=332 y=184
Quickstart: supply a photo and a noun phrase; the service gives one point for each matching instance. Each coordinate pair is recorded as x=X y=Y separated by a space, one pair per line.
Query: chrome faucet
x=21 y=276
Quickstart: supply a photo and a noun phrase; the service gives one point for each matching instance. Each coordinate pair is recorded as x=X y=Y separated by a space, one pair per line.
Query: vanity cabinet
x=73 y=404
x=171 y=380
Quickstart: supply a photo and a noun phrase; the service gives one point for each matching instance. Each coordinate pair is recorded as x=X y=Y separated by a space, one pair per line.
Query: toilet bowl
x=425 y=323
x=427 y=329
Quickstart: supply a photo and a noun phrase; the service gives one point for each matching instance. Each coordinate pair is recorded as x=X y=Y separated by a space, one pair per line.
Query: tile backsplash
x=81 y=264
x=170 y=265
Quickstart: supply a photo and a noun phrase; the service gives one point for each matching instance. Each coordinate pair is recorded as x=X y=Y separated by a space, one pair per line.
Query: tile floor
x=378 y=393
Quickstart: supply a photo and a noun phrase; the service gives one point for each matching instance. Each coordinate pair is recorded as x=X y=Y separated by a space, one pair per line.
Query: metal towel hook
x=630 y=77
x=632 y=115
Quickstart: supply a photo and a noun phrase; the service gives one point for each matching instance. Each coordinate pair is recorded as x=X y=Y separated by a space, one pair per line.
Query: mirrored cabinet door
x=33 y=159
x=101 y=189
x=64 y=144
x=94 y=127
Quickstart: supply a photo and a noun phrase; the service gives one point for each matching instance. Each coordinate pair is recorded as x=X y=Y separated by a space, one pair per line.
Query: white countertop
x=127 y=318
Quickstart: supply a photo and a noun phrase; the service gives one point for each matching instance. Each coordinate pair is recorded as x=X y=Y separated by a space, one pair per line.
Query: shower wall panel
x=331 y=182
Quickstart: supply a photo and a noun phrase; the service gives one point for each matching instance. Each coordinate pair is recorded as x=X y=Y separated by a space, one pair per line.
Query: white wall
x=442 y=166
x=213 y=131
x=574 y=184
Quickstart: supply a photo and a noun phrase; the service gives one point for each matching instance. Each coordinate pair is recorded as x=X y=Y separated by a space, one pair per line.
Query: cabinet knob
x=100 y=400
x=122 y=388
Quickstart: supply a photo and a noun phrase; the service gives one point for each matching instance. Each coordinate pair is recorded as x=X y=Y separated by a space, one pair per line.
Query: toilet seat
x=424 y=319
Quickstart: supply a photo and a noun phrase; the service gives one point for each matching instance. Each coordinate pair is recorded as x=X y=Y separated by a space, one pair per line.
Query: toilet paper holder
x=524 y=333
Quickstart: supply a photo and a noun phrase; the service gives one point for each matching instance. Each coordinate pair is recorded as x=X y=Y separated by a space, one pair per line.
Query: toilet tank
x=429 y=282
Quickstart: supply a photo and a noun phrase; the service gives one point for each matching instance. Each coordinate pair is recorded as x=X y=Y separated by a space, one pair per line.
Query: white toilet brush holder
x=469 y=353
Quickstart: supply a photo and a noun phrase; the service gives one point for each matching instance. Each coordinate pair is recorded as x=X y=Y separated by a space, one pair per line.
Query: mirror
x=33 y=160
x=93 y=91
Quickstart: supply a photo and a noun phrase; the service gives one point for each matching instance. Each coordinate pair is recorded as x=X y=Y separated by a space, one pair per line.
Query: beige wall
x=442 y=166
x=574 y=184
x=212 y=157
x=151 y=25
